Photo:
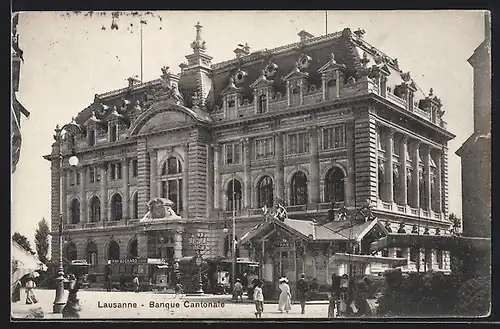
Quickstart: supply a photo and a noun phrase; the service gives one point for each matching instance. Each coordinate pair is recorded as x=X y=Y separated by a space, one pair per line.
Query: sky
x=70 y=57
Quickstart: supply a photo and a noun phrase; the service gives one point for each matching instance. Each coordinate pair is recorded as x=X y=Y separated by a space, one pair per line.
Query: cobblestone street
x=172 y=307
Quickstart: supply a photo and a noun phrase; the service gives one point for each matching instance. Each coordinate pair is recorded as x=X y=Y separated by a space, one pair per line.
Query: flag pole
x=141 y=22
x=326 y=21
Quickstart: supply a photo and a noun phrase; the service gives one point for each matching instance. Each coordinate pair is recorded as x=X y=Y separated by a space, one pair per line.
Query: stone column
x=389 y=169
x=217 y=176
x=416 y=180
x=104 y=191
x=314 y=161
x=152 y=174
x=288 y=94
x=323 y=86
x=427 y=177
x=439 y=191
x=280 y=175
x=185 y=184
x=349 y=182
x=83 y=196
x=210 y=180
x=64 y=188
x=126 y=197
x=247 y=185
x=143 y=178
x=301 y=92
x=178 y=243
x=337 y=84
x=402 y=175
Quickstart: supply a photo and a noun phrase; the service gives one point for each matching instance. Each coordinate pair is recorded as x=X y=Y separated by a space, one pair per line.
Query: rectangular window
x=92 y=172
x=399 y=253
x=298 y=143
x=333 y=138
x=77 y=177
x=439 y=256
x=113 y=132
x=113 y=171
x=395 y=145
x=233 y=153
x=264 y=148
x=413 y=255
x=381 y=140
x=71 y=176
x=116 y=171
x=134 y=168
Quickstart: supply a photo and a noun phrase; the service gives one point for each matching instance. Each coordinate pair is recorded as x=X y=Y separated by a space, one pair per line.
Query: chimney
x=242 y=50
x=304 y=35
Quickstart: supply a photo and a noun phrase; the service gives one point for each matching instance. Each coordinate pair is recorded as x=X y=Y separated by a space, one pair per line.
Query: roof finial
x=198 y=45
x=431 y=92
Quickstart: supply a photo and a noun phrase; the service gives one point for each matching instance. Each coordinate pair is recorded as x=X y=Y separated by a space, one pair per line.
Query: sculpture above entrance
x=160 y=209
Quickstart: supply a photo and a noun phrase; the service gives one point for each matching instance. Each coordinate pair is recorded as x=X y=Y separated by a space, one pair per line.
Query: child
x=258 y=298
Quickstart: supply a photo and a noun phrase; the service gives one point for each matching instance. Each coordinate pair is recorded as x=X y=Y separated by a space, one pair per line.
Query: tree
x=23 y=242
x=42 y=240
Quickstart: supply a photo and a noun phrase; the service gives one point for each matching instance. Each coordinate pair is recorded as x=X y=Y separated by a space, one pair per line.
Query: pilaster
x=64 y=189
x=178 y=243
x=402 y=159
x=427 y=177
x=217 y=176
x=210 y=180
x=246 y=174
x=126 y=197
x=55 y=206
x=185 y=184
x=153 y=161
x=416 y=178
x=438 y=188
x=388 y=168
x=197 y=176
x=349 y=181
x=365 y=148
x=314 y=161
x=444 y=171
x=143 y=178
x=83 y=197
x=280 y=176
x=104 y=191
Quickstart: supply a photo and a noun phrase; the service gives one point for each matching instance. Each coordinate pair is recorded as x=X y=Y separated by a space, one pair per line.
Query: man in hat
x=302 y=289
x=238 y=290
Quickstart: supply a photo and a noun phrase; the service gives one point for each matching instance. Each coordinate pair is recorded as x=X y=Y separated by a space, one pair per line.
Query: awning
x=370 y=259
x=446 y=242
x=162 y=266
x=24 y=263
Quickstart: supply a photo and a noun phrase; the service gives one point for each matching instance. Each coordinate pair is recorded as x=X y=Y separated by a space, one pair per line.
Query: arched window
x=299 y=189
x=171 y=184
x=135 y=206
x=75 y=211
x=132 y=249
x=71 y=252
x=265 y=192
x=116 y=207
x=233 y=195
x=334 y=185
x=95 y=209
x=113 y=250
x=92 y=254
x=331 y=89
x=171 y=166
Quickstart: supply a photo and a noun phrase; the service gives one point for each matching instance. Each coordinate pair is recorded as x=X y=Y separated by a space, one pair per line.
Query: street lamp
x=59 y=301
x=198 y=245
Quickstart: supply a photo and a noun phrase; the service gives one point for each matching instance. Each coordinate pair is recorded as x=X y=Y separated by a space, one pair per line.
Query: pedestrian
x=122 y=282
x=258 y=298
x=238 y=290
x=30 y=287
x=302 y=289
x=16 y=293
x=136 y=284
x=285 y=300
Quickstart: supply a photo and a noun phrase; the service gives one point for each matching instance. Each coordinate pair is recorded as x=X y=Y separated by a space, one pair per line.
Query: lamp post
x=197 y=243
x=59 y=302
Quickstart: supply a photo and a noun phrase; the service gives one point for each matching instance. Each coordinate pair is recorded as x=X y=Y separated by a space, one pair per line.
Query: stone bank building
x=318 y=124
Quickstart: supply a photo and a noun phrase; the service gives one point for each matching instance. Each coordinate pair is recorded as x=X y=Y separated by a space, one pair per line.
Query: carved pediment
x=165 y=120
x=296 y=74
x=331 y=65
x=160 y=209
x=261 y=82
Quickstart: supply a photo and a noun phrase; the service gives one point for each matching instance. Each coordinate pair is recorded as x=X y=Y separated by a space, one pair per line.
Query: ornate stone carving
x=160 y=208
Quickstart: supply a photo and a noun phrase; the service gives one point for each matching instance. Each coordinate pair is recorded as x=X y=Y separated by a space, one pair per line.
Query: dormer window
x=231 y=103
x=113 y=132
x=262 y=103
x=91 y=136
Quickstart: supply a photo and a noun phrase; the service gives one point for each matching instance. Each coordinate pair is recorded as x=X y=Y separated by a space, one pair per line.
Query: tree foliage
x=23 y=242
x=42 y=240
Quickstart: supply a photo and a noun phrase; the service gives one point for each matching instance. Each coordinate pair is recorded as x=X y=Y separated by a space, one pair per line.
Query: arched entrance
x=113 y=250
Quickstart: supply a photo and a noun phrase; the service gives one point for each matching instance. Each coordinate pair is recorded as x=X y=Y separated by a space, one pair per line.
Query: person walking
x=302 y=289
x=136 y=284
x=238 y=290
x=30 y=287
x=258 y=297
x=285 y=300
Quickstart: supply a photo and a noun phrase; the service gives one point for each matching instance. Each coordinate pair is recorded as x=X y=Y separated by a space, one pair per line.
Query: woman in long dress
x=16 y=294
x=285 y=301
x=30 y=295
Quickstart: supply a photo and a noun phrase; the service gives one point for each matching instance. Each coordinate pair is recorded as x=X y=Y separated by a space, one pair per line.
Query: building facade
x=321 y=123
x=475 y=153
